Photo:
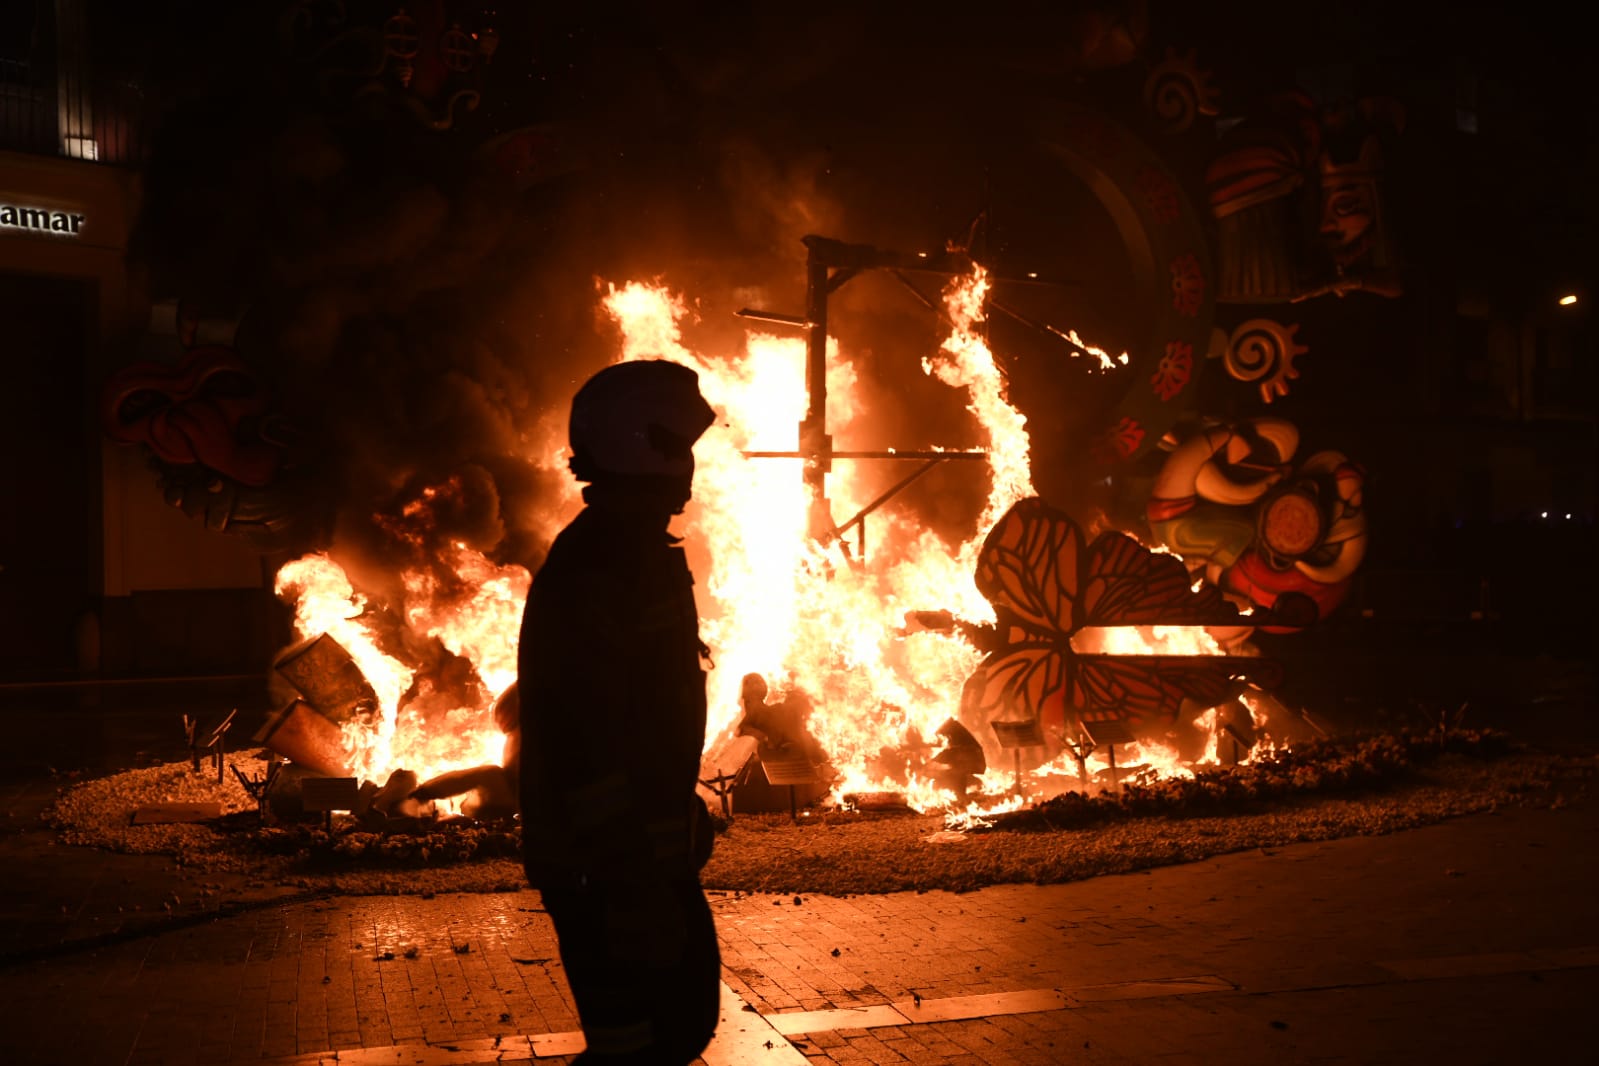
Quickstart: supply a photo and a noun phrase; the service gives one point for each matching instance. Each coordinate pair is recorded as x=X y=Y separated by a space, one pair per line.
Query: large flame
x=811 y=618
x=966 y=362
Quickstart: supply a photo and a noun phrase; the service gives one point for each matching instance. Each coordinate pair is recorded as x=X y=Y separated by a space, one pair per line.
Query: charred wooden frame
x=829 y=265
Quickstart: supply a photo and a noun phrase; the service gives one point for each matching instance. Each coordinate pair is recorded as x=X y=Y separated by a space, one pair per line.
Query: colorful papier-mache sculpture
x=1298 y=201
x=1231 y=501
x=215 y=436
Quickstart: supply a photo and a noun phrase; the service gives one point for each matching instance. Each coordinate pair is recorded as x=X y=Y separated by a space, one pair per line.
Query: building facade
x=99 y=578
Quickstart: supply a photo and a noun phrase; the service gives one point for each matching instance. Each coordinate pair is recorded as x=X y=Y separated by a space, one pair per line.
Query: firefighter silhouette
x=613 y=721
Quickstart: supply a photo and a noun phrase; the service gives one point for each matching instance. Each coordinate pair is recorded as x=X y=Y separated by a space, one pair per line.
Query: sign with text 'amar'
x=40 y=220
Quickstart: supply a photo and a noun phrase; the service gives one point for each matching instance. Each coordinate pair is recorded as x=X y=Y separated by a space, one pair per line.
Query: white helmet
x=638 y=418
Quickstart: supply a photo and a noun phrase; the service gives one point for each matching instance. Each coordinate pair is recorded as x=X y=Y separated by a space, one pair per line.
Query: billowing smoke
x=424 y=313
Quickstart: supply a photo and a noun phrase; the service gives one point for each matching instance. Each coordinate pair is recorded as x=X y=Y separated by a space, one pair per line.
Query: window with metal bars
x=58 y=96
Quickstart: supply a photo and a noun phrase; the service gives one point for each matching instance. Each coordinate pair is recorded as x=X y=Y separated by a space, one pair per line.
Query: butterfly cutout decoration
x=1047 y=582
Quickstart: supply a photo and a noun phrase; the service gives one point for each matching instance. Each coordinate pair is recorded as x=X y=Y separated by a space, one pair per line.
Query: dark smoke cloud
x=720 y=142
x=423 y=317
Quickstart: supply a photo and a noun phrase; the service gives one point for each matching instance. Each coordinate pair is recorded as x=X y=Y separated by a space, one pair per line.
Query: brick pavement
x=1472 y=941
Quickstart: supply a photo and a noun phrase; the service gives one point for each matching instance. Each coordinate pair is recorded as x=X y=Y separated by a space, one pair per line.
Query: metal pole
x=813 y=439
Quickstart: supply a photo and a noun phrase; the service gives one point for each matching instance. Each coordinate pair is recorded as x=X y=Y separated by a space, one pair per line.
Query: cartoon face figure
x=1348 y=220
x=1351 y=205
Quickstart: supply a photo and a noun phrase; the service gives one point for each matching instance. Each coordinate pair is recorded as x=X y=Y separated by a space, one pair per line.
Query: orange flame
x=798 y=612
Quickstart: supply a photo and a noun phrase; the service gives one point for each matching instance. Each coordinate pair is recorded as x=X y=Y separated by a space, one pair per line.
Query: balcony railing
x=55 y=101
x=27 y=110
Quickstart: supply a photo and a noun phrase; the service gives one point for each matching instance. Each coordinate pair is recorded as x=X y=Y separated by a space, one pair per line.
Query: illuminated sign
x=40 y=219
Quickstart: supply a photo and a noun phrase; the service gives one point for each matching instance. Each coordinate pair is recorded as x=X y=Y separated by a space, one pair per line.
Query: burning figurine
x=491 y=792
x=780 y=726
x=783 y=764
x=959 y=764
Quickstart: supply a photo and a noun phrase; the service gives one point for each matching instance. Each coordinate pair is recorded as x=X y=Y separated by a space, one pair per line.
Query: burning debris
x=320 y=672
x=331 y=698
x=301 y=733
x=384 y=691
x=1347 y=765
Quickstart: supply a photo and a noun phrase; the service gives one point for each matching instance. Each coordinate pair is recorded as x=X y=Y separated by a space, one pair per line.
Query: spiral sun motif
x=1263 y=350
x=1177 y=91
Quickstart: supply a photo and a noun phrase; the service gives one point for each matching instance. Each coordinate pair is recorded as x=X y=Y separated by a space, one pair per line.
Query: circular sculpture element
x=1290 y=525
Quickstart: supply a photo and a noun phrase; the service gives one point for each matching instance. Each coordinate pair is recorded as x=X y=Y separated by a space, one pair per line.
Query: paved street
x=1471 y=941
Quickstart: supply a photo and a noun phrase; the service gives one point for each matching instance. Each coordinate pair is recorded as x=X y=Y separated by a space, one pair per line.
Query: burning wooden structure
x=898 y=699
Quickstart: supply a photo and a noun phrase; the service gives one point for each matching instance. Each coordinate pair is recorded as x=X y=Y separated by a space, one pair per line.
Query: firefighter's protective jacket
x=613 y=706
